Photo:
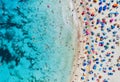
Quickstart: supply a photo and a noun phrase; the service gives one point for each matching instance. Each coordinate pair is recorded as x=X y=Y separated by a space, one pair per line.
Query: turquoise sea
x=36 y=41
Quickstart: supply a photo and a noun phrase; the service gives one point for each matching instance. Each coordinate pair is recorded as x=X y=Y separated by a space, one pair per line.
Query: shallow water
x=36 y=41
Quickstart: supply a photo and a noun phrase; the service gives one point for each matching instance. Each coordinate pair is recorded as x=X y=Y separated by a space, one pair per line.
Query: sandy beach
x=82 y=54
x=78 y=59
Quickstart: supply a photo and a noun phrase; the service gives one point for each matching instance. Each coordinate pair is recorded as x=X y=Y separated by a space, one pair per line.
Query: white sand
x=79 y=55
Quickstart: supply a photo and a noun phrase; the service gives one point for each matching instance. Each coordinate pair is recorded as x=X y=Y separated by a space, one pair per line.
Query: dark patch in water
x=7 y=56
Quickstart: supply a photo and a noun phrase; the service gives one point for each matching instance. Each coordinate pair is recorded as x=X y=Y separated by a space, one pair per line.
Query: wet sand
x=79 y=56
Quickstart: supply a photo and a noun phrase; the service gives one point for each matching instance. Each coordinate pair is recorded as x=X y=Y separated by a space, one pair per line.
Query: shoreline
x=81 y=39
x=70 y=22
x=78 y=57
